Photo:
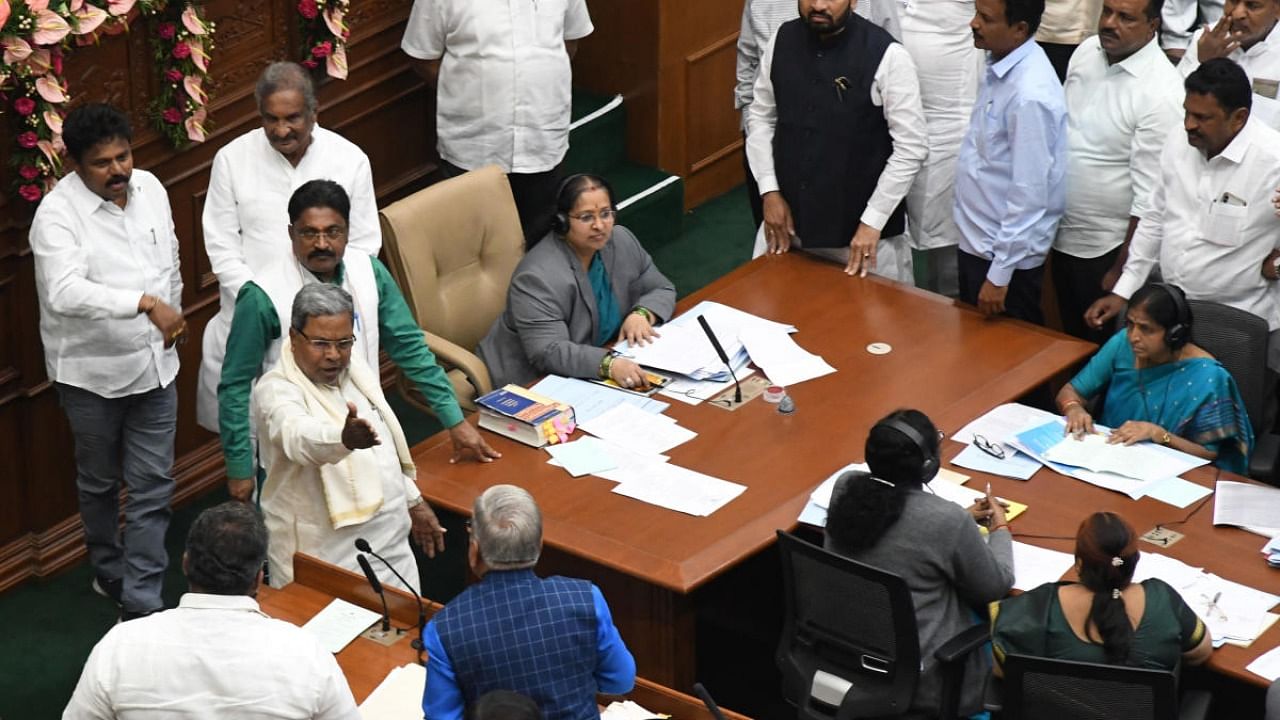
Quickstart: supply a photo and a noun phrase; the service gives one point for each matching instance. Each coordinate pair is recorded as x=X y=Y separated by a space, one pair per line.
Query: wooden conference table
x=947 y=361
x=365 y=662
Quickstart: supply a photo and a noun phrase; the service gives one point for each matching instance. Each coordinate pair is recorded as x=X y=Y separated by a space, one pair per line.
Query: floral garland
x=324 y=35
x=182 y=46
x=34 y=34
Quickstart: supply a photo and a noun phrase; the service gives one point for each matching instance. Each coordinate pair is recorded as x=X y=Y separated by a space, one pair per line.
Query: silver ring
x=866 y=255
x=628 y=382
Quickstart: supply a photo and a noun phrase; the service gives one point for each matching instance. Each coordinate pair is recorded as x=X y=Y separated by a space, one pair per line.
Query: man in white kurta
x=1248 y=34
x=338 y=466
x=246 y=216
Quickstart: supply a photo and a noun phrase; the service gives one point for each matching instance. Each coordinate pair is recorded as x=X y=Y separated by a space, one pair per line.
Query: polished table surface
x=365 y=662
x=947 y=360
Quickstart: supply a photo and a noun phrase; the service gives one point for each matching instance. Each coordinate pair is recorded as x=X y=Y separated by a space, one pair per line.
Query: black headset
x=560 y=221
x=930 y=462
x=1179 y=334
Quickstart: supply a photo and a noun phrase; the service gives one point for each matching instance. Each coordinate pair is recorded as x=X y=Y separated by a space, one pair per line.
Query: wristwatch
x=1166 y=439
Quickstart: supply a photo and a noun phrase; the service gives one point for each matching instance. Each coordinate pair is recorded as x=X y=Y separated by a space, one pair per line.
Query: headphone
x=930 y=462
x=1180 y=333
x=560 y=221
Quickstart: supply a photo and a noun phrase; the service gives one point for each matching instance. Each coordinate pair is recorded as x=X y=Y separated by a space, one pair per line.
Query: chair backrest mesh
x=1238 y=339
x=1049 y=696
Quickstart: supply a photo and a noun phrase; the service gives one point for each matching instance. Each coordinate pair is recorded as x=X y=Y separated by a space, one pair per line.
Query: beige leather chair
x=452 y=248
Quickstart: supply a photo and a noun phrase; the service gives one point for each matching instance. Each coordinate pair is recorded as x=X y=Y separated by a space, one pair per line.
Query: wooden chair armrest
x=452 y=355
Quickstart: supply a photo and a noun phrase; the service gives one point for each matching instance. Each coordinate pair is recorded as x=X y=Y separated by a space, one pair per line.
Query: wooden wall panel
x=381 y=107
x=674 y=63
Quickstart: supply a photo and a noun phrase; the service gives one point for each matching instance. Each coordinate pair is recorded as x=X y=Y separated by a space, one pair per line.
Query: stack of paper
x=592 y=456
x=683 y=347
x=815 y=511
x=1272 y=551
x=398 y=697
x=1141 y=461
x=1255 y=508
x=634 y=429
x=999 y=426
x=1233 y=612
x=590 y=400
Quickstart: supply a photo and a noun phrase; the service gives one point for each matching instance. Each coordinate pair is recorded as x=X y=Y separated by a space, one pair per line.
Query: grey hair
x=507 y=527
x=317 y=299
x=286 y=76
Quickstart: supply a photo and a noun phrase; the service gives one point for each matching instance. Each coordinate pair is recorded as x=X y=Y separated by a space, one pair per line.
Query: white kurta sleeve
x=304 y=438
x=896 y=88
x=221 y=223
x=1144 y=249
x=762 y=119
x=366 y=232
x=63 y=266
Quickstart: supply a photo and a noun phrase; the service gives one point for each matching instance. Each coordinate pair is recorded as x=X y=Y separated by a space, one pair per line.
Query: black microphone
x=715 y=343
x=363 y=546
x=376 y=584
x=705 y=697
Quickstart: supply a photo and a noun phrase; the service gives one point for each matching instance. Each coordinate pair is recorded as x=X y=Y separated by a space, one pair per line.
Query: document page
x=681 y=489
x=1255 y=508
x=783 y=361
x=398 y=697
x=1034 y=566
x=339 y=623
x=639 y=431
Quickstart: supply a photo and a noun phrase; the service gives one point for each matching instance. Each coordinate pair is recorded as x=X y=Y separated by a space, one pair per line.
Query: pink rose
x=172 y=115
x=30 y=193
x=28 y=140
x=173 y=76
x=24 y=105
x=29 y=172
x=324 y=49
x=166 y=31
x=310 y=64
x=308 y=9
x=182 y=51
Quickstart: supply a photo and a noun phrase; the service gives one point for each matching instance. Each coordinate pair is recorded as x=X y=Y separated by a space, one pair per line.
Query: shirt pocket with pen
x=1224 y=221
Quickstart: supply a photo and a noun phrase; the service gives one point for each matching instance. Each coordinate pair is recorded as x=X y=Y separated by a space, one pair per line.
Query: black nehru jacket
x=831 y=142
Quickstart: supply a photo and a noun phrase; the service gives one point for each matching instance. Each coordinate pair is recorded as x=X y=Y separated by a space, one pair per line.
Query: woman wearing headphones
x=890 y=520
x=587 y=284
x=1162 y=387
x=1106 y=617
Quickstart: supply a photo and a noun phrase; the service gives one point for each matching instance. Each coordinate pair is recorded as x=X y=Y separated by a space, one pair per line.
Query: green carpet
x=51 y=624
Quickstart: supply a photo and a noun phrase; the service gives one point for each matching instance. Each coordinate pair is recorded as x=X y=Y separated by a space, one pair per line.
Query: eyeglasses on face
x=329 y=233
x=324 y=344
x=606 y=215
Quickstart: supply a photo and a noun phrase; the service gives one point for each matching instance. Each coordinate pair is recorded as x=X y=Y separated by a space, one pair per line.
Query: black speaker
x=930 y=462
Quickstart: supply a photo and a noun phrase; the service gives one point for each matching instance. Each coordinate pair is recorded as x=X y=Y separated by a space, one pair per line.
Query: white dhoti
x=893 y=255
x=936 y=33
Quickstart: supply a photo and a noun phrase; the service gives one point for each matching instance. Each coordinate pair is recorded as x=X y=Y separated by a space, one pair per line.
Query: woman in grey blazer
x=587 y=284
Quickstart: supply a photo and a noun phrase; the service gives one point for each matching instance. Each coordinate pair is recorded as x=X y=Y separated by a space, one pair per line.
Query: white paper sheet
x=1014 y=464
x=1002 y=422
x=1177 y=492
x=637 y=430
x=1253 y=507
x=684 y=348
x=398 y=696
x=1140 y=461
x=783 y=361
x=339 y=623
x=589 y=400
x=1034 y=566
x=681 y=489
x=584 y=456
x=628 y=710
x=693 y=392
x=1267 y=665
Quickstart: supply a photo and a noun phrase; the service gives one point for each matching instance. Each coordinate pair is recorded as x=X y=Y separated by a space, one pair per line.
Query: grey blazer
x=550 y=322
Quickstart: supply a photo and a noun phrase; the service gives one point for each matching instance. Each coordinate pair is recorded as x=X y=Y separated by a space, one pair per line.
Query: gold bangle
x=1068 y=404
x=643 y=312
x=606 y=363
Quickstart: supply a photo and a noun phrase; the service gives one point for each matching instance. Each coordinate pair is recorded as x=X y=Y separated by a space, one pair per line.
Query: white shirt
x=212 y=657
x=246 y=210
x=94 y=261
x=1180 y=18
x=1260 y=62
x=1118 y=118
x=504 y=92
x=1068 y=22
x=1212 y=249
x=895 y=88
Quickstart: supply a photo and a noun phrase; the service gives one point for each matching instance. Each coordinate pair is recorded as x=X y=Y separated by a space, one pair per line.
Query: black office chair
x=849 y=645
x=1238 y=339
x=1043 y=689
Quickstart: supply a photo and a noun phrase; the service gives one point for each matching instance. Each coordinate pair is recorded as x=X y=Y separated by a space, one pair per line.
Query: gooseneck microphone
x=363 y=546
x=376 y=584
x=715 y=343
x=705 y=697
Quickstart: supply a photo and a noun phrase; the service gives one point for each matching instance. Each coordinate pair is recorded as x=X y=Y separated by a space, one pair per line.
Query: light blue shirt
x=1010 y=176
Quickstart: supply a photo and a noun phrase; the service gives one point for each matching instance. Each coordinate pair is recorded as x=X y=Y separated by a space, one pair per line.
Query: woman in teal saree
x=1161 y=387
